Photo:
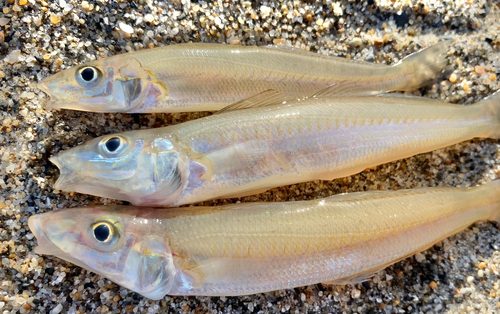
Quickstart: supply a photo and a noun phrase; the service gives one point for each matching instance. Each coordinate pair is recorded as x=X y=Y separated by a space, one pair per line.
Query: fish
x=209 y=77
x=249 y=248
x=247 y=151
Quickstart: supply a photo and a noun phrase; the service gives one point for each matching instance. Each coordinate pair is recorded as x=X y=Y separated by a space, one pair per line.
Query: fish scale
x=432 y=216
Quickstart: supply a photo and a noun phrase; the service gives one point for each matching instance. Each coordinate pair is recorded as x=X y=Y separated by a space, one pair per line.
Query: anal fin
x=359 y=277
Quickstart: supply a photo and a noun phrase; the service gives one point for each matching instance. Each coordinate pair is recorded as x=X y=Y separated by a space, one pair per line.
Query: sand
x=39 y=38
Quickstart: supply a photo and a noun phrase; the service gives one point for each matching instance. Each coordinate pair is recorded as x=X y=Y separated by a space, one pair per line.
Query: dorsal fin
x=266 y=98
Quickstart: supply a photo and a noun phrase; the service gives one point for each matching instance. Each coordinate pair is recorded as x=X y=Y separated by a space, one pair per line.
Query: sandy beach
x=39 y=38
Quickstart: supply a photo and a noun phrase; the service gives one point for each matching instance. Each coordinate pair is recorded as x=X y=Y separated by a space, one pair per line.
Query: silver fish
x=249 y=248
x=244 y=152
x=209 y=77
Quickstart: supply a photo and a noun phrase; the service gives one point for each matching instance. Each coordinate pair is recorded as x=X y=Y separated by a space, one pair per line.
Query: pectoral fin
x=266 y=98
x=345 y=88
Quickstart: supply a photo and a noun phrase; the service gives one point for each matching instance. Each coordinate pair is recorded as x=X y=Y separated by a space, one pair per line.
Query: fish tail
x=492 y=104
x=490 y=193
x=423 y=66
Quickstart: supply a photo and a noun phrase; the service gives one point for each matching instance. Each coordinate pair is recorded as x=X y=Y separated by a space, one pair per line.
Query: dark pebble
x=89 y=285
x=401 y=19
x=366 y=285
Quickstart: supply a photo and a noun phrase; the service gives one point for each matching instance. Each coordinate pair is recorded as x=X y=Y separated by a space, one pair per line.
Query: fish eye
x=104 y=232
x=89 y=76
x=113 y=145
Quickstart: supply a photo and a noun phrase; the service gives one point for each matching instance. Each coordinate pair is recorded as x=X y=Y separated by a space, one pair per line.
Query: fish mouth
x=52 y=102
x=68 y=179
x=45 y=246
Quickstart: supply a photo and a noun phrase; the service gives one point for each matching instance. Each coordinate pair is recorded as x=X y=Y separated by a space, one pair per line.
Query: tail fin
x=489 y=194
x=492 y=102
x=424 y=65
x=409 y=74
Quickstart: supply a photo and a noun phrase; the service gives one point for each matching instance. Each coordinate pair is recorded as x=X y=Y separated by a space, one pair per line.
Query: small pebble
x=54 y=19
x=337 y=9
x=479 y=70
x=355 y=293
x=14 y=56
x=57 y=309
x=149 y=18
x=265 y=11
x=453 y=78
x=125 y=28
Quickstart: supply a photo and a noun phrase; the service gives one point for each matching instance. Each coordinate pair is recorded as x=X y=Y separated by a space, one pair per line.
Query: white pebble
x=265 y=11
x=126 y=28
x=13 y=57
x=302 y=297
x=57 y=309
x=420 y=257
x=337 y=10
x=470 y=279
x=218 y=21
x=355 y=293
x=149 y=18
x=480 y=273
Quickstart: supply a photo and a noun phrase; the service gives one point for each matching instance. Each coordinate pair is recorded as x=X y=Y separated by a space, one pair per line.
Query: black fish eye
x=102 y=232
x=88 y=74
x=113 y=144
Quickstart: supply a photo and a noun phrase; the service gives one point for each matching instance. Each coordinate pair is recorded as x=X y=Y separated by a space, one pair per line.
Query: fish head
x=116 y=84
x=110 y=241
x=127 y=166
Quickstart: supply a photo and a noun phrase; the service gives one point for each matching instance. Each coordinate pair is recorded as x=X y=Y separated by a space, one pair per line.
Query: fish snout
x=45 y=87
x=68 y=178
x=50 y=89
x=35 y=224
